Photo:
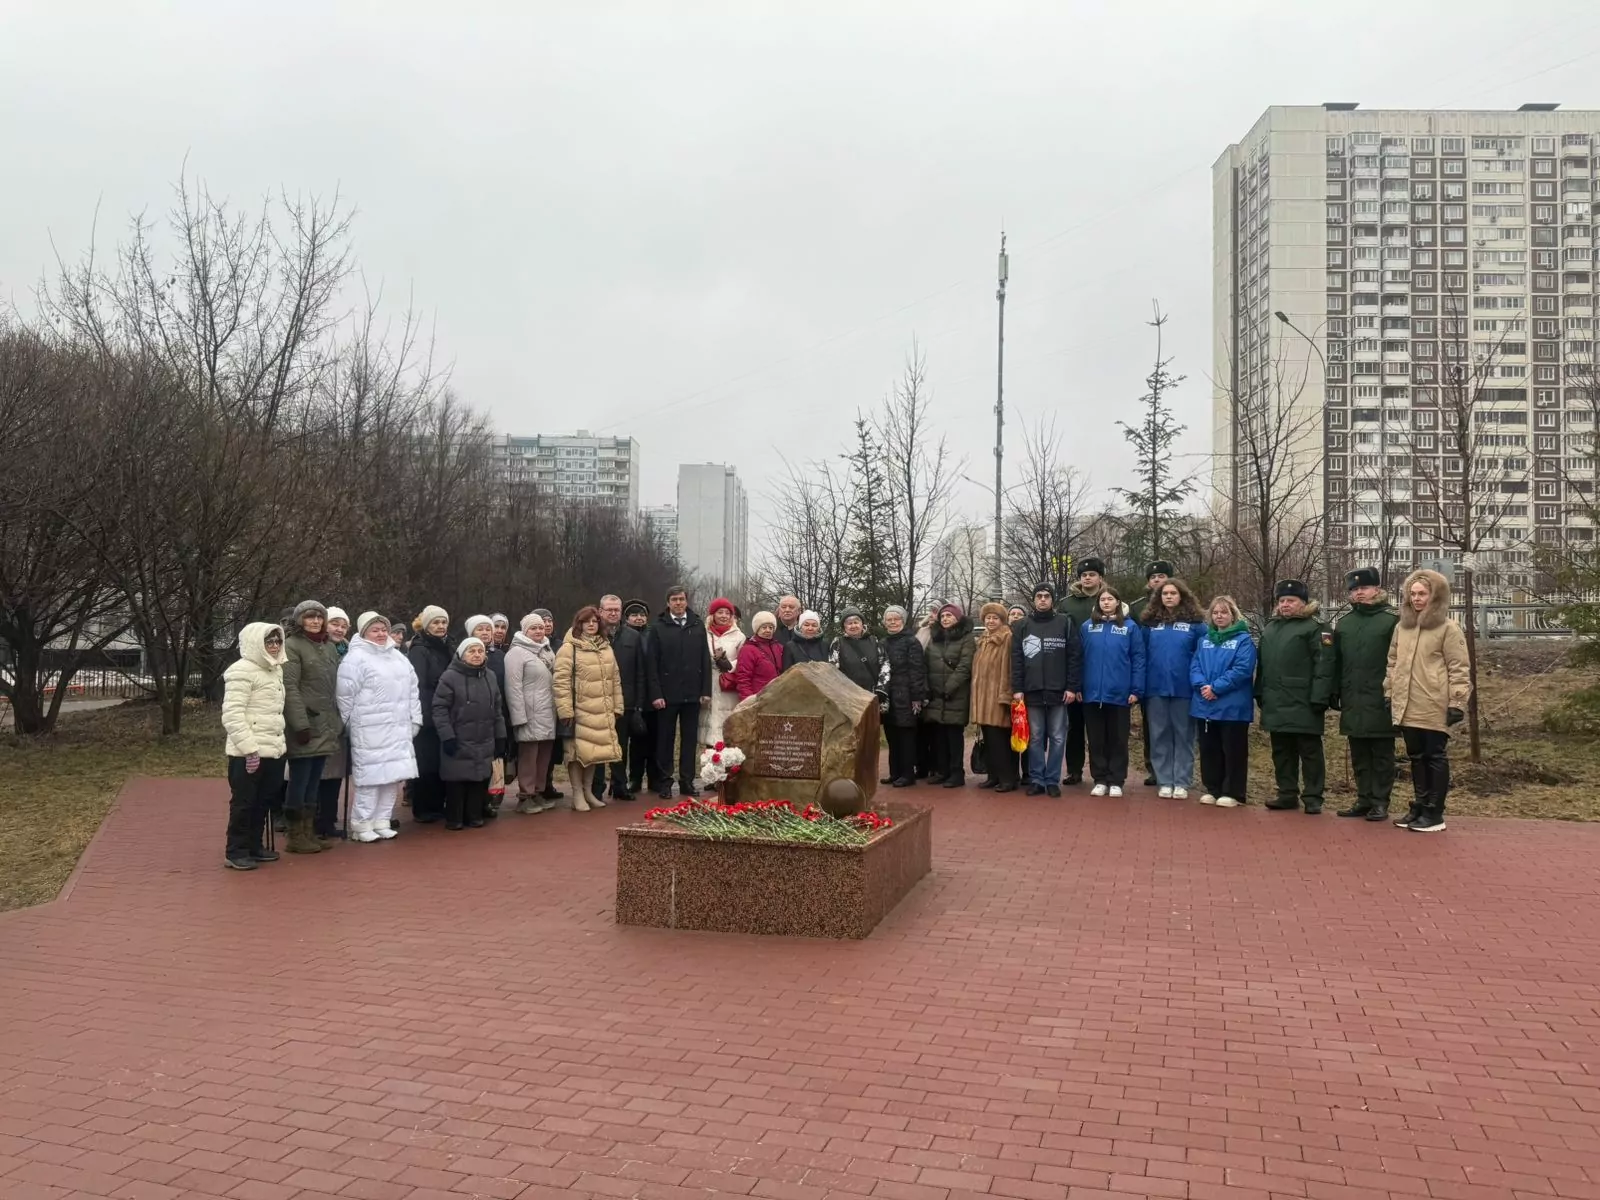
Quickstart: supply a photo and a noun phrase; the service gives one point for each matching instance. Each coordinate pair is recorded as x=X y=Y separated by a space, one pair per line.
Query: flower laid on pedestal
x=774 y=819
x=718 y=762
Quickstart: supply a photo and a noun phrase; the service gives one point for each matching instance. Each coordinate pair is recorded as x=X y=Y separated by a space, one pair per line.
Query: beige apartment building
x=1366 y=262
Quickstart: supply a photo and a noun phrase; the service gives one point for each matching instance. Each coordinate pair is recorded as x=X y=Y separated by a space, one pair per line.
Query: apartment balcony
x=1577 y=289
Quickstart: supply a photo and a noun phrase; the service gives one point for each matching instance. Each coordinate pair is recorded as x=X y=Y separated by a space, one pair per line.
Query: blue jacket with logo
x=1228 y=666
x=1169 y=649
x=1113 y=661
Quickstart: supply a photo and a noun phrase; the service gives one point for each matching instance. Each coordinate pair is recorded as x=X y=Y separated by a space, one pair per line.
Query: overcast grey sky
x=717 y=226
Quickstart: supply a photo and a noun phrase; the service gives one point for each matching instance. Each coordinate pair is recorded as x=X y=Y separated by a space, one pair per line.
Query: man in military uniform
x=1361 y=656
x=1294 y=684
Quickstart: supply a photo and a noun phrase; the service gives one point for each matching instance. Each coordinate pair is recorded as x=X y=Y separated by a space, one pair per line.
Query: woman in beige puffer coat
x=588 y=689
x=252 y=716
x=1428 y=683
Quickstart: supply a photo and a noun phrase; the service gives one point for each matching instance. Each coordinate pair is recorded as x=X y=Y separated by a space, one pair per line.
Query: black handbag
x=567 y=727
x=636 y=725
x=980 y=758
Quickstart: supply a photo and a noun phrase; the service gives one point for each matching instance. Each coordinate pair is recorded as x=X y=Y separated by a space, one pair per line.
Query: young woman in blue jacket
x=1222 y=672
x=1173 y=626
x=1113 y=681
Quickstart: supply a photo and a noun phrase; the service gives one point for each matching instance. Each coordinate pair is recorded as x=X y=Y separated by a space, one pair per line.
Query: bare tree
x=1273 y=518
x=1473 y=477
x=807 y=551
x=962 y=567
x=920 y=473
x=1048 y=511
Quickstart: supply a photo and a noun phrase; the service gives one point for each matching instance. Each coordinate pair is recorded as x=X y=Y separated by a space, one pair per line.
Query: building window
x=1422 y=145
x=1454 y=166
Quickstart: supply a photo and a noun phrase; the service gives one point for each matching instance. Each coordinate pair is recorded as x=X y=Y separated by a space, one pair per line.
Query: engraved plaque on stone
x=787 y=747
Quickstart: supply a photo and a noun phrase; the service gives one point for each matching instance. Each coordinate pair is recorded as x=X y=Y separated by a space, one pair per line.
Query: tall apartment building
x=1366 y=263
x=713 y=523
x=582 y=467
x=661 y=522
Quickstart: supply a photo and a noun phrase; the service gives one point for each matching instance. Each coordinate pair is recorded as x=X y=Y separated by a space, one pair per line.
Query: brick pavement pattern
x=1087 y=999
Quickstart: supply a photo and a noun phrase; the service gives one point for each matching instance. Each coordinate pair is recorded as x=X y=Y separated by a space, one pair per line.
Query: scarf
x=1218 y=636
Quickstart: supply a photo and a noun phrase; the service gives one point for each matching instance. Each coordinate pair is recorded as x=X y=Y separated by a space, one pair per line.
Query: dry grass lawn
x=54 y=793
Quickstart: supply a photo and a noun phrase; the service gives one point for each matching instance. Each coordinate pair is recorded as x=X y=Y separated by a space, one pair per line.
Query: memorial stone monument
x=808 y=727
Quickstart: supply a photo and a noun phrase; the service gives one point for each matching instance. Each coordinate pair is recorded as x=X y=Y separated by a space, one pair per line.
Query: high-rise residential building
x=1371 y=269
x=661 y=522
x=581 y=467
x=713 y=523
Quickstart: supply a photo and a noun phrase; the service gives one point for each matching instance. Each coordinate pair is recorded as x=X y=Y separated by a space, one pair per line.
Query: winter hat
x=549 y=619
x=313 y=608
x=896 y=608
x=633 y=606
x=528 y=620
x=475 y=620
x=809 y=615
x=1097 y=565
x=367 y=618
x=998 y=610
x=500 y=619
x=1362 y=577
x=1017 y=608
x=400 y=624
x=429 y=615
x=1044 y=587
x=467 y=644
x=718 y=605
x=952 y=608
x=851 y=612
x=763 y=618
x=1160 y=567
x=338 y=614
x=1291 y=587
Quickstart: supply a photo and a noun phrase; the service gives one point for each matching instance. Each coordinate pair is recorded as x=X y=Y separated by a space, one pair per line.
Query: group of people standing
x=449 y=728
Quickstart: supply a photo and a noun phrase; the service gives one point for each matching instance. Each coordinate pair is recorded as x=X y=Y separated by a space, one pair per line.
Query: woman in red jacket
x=760 y=658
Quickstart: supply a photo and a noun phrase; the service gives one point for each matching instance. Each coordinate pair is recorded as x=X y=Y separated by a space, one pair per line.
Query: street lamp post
x=1004 y=271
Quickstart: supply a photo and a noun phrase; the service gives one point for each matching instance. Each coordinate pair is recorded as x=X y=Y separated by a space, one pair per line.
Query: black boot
x=1380 y=812
x=1430 y=820
x=1411 y=815
x=1282 y=804
x=1361 y=808
x=954 y=781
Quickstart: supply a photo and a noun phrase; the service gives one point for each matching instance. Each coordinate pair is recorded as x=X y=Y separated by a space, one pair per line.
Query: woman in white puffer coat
x=378 y=699
x=252 y=716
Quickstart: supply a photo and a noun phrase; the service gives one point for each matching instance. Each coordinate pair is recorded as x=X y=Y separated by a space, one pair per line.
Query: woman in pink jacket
x=760 y=658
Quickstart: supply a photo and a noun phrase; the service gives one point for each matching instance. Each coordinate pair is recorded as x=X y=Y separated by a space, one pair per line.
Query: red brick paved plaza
x=1088 y=998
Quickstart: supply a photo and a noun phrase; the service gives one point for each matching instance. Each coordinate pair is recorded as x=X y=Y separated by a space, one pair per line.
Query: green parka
x=949 y=657
x=1295 y=672
x=310 y=675
x=1361 y=658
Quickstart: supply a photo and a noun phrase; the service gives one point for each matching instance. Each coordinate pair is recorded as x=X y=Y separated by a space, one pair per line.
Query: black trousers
x=250 y=797
x=326 y=823
x=427 y=798
x=948 y=746
x=927 y=749
x=1002 y=758
x=1107 y=727
x=1299 y=768
x=1073 y=757
x=1144 y=737
x=618 y=771
x=902 y=751
x=1373 y=761
x=1428 y=750
x=1225 y=758
x=641 y=752
x=464 y=800
x=680 y=724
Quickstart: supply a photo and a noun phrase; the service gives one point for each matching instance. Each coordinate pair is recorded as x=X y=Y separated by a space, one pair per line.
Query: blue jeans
x=1171 y=739
x=304 y=776
x=1047 y=736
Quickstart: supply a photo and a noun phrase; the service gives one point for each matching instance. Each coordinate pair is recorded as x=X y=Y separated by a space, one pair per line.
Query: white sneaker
x=363 y=835
x=386 y=831
x=1165 y=793
x=1098 y=789
x=1227 y=802
x=1116 y=792
x=1180 y=793
x=1208 y=798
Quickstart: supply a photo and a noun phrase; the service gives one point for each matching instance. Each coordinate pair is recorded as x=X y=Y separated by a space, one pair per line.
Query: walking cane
x=344 y=803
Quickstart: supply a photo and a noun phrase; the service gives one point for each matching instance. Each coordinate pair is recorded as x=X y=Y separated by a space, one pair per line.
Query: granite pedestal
x=674 y=879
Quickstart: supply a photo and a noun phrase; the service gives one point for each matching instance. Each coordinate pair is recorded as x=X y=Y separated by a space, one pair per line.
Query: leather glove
x=1454 y=716
x=1319 y=710
x=450 y=746
x=302 y=737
